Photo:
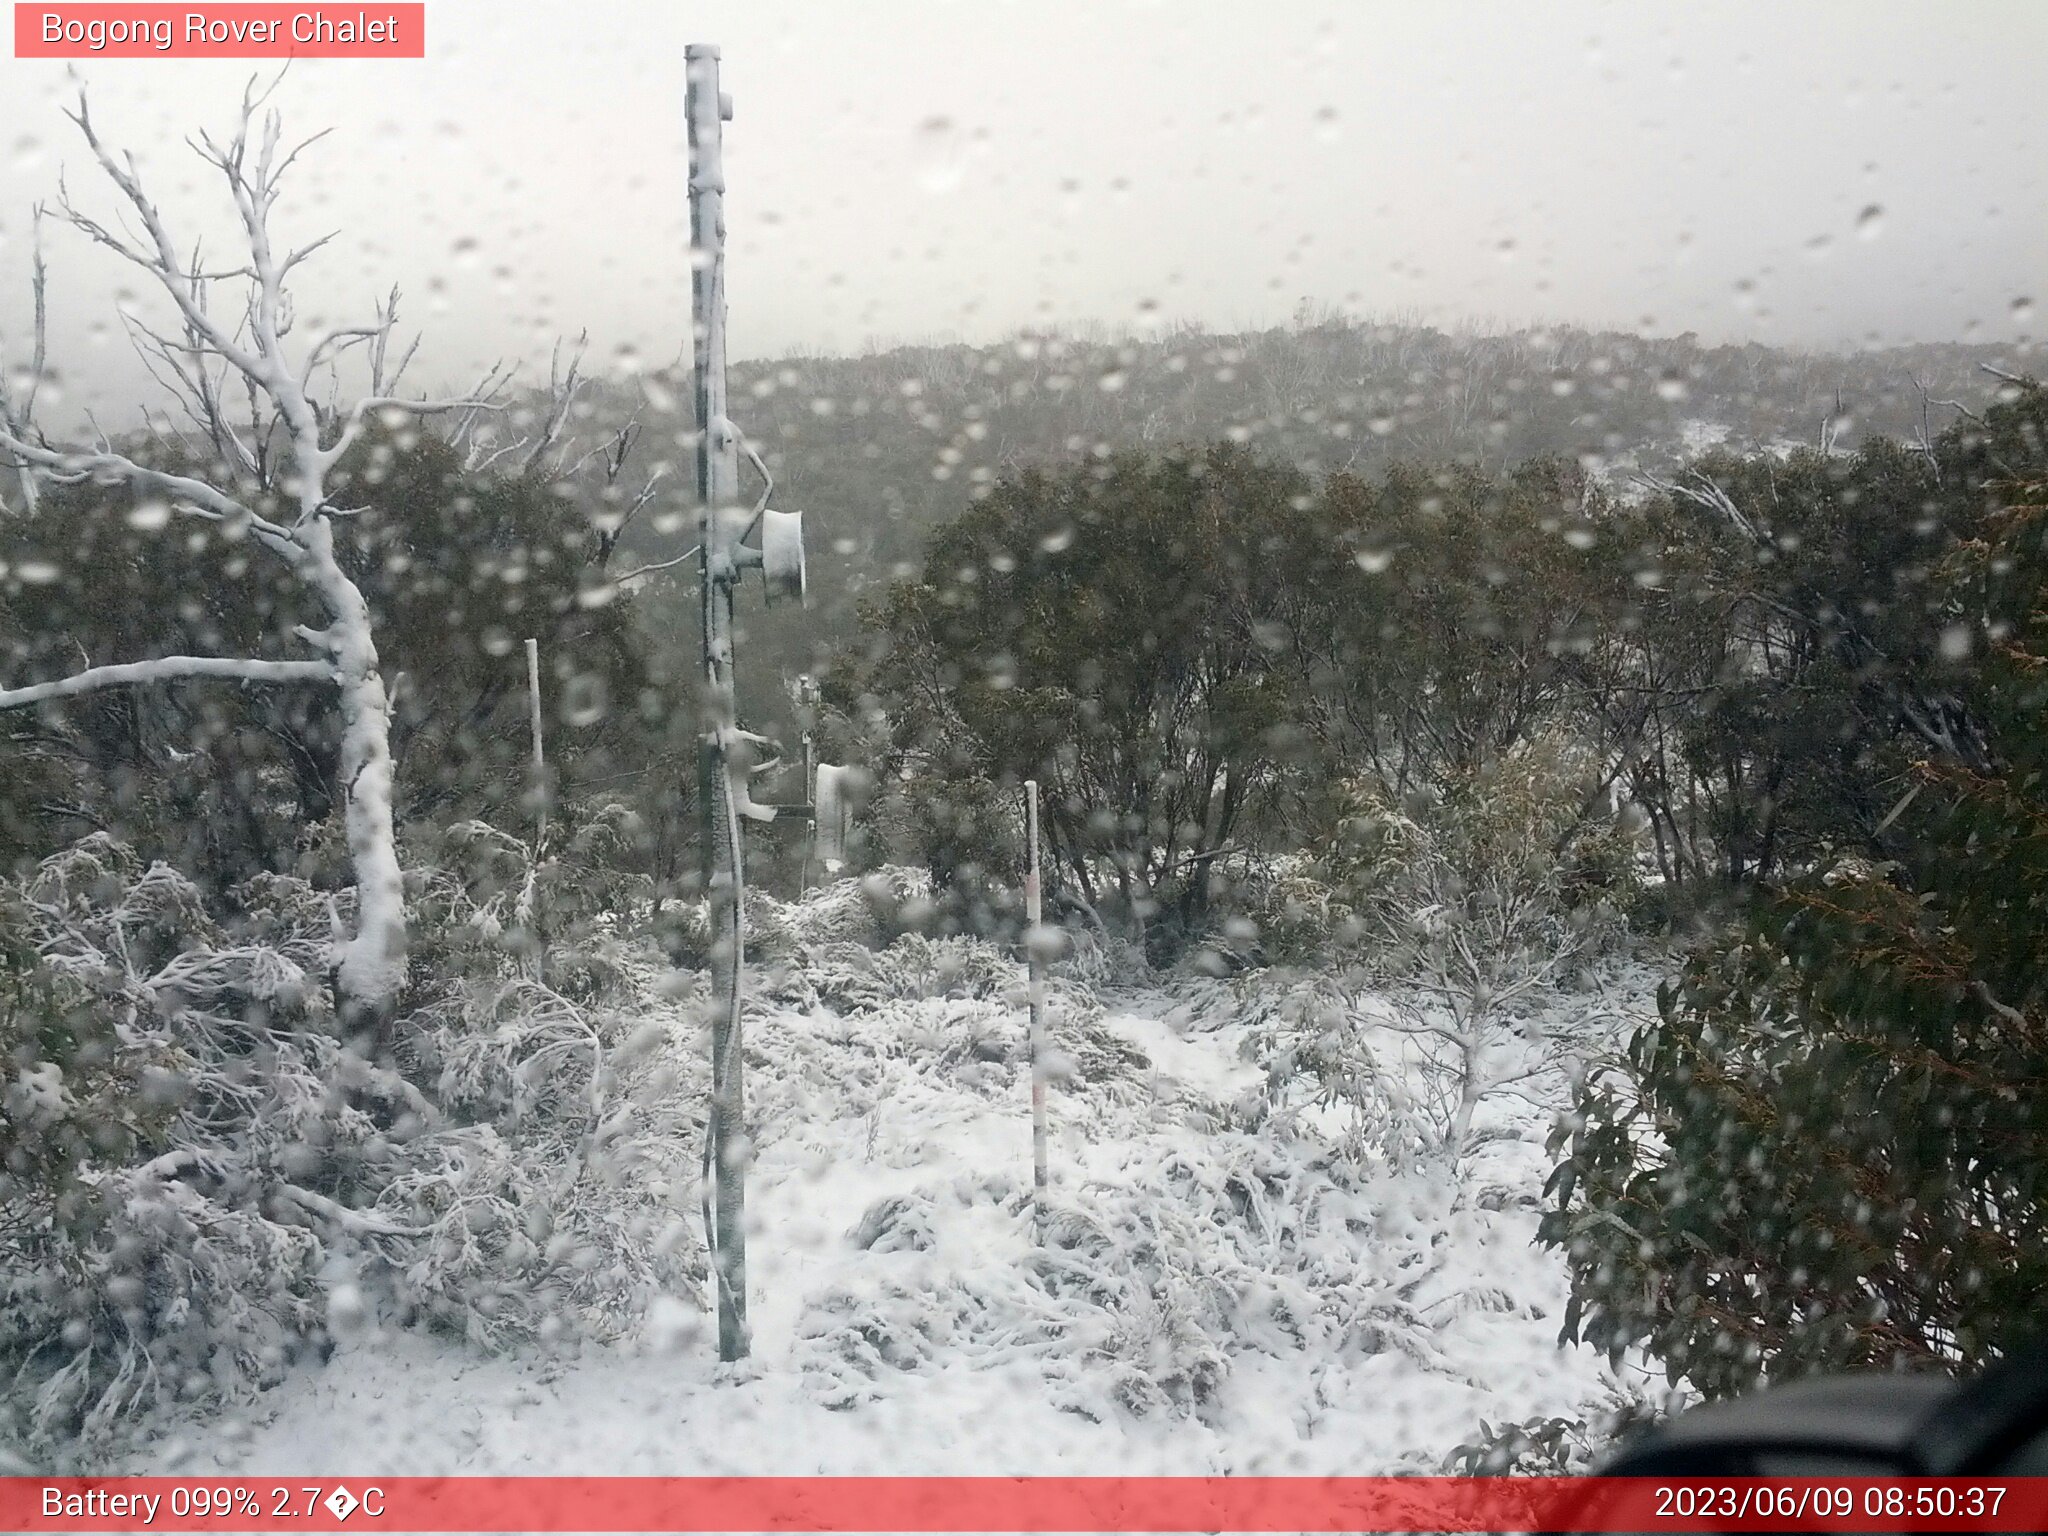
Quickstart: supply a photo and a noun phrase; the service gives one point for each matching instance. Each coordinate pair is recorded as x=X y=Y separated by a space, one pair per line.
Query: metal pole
x=1032 y=944
x=807 y=698
x=717 y=496
x=540 y=770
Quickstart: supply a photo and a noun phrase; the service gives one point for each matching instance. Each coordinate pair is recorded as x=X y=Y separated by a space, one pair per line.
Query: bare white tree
x=269 y=483
x=1480 y=954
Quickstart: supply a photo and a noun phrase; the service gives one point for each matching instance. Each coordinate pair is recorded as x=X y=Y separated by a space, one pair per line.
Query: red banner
x=936 y=1504
x=347 y=31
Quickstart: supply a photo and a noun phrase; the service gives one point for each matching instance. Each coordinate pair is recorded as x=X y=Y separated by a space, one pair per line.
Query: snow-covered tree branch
x=272 y=479
x=166 y=669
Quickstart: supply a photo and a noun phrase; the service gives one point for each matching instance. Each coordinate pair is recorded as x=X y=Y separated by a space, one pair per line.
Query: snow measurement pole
x=540 y=761
x=807 y=713
x=717 y=498
x=1033 y=943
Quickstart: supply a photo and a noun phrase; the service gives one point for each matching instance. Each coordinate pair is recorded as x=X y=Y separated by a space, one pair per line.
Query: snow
x=1699 y=436
x=1219 y=1296
x=168 y=669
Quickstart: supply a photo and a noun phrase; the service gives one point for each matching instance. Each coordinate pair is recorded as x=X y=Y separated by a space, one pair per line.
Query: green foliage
x=1459 y=613
x=1193 y=654
x=225 y=781
x=1832 y=1148
x=1552 y=1447
x=884 y=447
x=459 y=569
x=1105 y=631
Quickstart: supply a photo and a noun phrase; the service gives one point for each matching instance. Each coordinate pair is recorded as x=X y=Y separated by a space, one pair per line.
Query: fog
x=1830 y=175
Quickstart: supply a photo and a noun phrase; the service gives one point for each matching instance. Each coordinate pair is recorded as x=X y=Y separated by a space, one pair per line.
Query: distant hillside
x=878 y=449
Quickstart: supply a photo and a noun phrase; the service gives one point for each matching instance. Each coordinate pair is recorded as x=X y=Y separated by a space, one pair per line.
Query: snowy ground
x=1215 y=1299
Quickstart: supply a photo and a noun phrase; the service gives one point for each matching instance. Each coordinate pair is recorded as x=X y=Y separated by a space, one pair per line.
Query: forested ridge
x=1417 y=753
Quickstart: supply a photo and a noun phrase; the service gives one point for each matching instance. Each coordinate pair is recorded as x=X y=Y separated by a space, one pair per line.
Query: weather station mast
x=728 y=757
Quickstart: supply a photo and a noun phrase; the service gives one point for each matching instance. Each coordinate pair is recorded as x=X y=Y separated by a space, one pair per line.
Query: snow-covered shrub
x=1315 y=1043
x=1485 y=908
x=556 y=1201
x=1130 y=1303
x=916 y=967
x=553 y=1198
x=1145 y=1290
x=1296 y=914
x=1521 y=849
x=1409 y=1071
x=187 y=1142
x=868 y=911
x=174 y=1120
x=481 y=892
x=873 y=909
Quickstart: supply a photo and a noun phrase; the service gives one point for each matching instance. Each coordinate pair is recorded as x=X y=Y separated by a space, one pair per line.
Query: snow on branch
x=212 y=355
x=1704 y=491
x=17 y=419
x=167 y=669
x=254 y=348
x=187 y=494
x=359 y=414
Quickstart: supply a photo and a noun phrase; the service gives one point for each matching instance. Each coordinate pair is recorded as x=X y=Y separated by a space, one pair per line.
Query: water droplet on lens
x=940 y=155
x=583 y=701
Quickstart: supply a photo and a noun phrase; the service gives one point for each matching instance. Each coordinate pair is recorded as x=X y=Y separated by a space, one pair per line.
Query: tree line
x=1790 y=704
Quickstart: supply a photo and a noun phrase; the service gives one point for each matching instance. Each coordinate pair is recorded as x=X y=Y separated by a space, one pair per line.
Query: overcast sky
x=1823 y=174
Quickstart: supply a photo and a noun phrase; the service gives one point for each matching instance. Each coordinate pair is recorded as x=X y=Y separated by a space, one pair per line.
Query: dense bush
x=224 y=781
x=1095 y=630
x=169 y=1130
x=187 y=1148
x=1830 y=1149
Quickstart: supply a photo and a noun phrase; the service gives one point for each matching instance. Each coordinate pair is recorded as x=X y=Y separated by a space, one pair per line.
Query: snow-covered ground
x=1217 y=1295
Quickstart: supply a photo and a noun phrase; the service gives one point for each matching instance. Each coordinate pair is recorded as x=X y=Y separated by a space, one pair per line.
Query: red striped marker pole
x=1032 y=917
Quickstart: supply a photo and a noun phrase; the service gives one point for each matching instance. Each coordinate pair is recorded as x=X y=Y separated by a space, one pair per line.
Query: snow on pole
x=807 y=705
x=782 y=553
x=540 y=789
x=1032 y=946
x=831 y=813
x=707 y=109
